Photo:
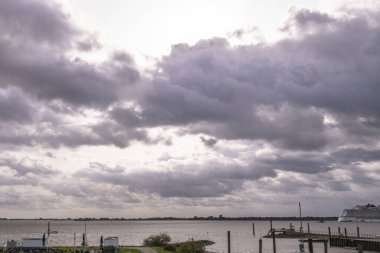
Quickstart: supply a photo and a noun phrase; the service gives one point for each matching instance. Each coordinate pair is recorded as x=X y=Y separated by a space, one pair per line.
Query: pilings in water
x=310 y=243
x=360 y=248
x=253 y=228
x=228 y=242
x=274 y=240
x=260 y=246
x=368 y=245
x=325 y=246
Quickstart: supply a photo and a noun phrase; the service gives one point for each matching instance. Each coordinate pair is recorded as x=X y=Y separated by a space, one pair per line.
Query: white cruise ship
x=360 y=213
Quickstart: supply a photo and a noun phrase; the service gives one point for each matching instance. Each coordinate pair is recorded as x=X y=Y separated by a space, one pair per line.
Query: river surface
x=134 y=232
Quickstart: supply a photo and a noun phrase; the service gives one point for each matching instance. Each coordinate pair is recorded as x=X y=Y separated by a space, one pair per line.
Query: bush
x=161 y=239
x=192 y=246
x=170 y=247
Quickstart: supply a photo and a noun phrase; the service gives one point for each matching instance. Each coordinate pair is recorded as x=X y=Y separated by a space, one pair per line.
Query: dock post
x=308 y=228
x=338 y=231
x=360 y=248
x=357 y=231
x=345 y=233
x=260 y=246
x=310 y=242
x=229 y=241
x=253 y=228
x=330 y=236
x=325 y=246
x=271 y=227
x=274 y=241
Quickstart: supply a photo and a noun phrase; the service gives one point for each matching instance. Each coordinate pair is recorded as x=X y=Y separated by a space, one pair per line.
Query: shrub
x=192 y=246
x=170 y=247
x=161 y=239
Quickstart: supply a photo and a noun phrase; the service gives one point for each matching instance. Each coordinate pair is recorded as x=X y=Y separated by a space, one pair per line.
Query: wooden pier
x=368 y=242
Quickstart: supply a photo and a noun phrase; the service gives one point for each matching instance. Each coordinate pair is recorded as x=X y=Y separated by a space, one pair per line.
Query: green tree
x=161 y=239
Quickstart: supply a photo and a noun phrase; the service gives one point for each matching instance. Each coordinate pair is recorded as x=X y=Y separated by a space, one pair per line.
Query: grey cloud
x=210 y=181
x=40 y=21
x=355 y=155
x=210 y=142
x=10 y=110
x=35 y=37
x=339 y=186
x=305 y=17
x=27 y=166
x=278 y=93
x=305 y=163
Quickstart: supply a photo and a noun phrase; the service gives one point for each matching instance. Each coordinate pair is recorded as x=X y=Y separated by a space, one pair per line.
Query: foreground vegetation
x=161 y=243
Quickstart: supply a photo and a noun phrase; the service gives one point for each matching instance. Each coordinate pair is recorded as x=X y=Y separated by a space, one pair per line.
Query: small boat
x=301 y=245
x=321 y=221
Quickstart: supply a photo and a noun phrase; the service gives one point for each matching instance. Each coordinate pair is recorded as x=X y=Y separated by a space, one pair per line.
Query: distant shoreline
x=209 y=218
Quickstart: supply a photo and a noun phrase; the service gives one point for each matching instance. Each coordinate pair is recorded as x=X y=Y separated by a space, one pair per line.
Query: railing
x=326 y=234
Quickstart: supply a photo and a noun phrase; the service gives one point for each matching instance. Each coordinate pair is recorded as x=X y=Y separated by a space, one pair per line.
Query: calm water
x=134 y=232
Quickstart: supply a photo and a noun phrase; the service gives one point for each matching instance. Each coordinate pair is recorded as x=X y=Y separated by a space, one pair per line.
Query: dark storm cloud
x=11 y=111
x=310 y=99
x=280 y=93
x=35 y=37
x=40 y=21
x=356 y=155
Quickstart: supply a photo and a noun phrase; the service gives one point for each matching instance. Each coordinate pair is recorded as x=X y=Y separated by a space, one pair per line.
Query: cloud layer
x=298 y=117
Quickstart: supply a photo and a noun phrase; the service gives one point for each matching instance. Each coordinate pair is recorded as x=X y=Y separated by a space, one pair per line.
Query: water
x=134 y=232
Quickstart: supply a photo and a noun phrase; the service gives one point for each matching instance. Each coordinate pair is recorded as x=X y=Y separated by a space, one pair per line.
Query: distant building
x=111 y=245
x=111 y=242
x=12 y=244
x=33 y=243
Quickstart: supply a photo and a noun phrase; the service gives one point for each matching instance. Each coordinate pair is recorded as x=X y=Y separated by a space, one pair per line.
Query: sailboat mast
x=299 y=205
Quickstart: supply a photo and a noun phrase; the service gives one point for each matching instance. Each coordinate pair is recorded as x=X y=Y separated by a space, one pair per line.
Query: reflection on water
x=133 y=232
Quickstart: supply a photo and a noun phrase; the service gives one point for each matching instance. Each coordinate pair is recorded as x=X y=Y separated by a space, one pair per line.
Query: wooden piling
x=274 y=241
x=338 y=231
x=308 y=228
x=345 y=233
x=357 y=231
x=325 y=246
x=310 y=242
x=360 y=248
x=330 y=236
x=271 y=226
x=253 y=228
x=228 y=242
x=260 y=246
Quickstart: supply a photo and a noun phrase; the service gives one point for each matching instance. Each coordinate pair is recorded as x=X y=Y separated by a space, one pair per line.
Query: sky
x=188 y=108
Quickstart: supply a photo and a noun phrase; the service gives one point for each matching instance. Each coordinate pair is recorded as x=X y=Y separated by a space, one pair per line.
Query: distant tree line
x=251 y=218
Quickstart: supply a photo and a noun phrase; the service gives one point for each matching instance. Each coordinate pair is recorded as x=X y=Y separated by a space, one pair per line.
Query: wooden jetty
x=368 y=242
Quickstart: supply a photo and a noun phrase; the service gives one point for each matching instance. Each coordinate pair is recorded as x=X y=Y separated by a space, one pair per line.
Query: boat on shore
x=361 y=213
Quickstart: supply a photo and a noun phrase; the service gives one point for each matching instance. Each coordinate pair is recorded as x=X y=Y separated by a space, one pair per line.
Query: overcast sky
x=188 y=108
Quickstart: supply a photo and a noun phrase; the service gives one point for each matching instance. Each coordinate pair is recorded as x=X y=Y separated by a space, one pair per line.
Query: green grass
x=72 y=247
x=127 y=249
x=161 y=250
